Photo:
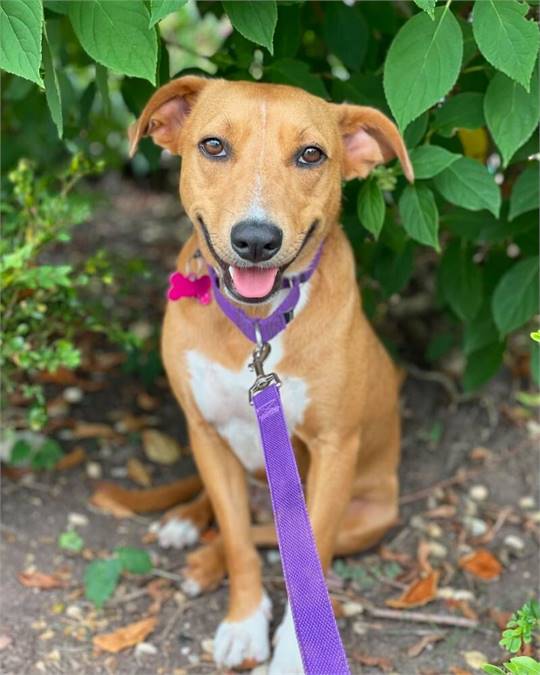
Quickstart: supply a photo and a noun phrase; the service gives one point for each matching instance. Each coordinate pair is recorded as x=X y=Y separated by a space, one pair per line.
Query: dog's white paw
x=286 y=659
x=176 y=533
x=238 y=641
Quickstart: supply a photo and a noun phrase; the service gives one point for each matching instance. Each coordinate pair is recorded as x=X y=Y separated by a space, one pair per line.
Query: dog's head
x=262 y=166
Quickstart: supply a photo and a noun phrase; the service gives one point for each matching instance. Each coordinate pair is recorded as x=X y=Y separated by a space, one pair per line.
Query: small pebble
x=145 y=649
x=437 y=549
x=418 y=522
x=527 y=502
x=119 y=472
x=479 y=493
x=514 y=542
x=273 y=556
x=434 y=530
x=74 y=612
x=72 y=394
x=207 y=646
x=475 y=526
x=359 y=628
x=471 y=508
x=535 y=516
x=93 y=470
x=352 y=608
x=185 y=651
x=77 y=520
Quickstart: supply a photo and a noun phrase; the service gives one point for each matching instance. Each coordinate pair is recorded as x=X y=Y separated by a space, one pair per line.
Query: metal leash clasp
x=262 y=379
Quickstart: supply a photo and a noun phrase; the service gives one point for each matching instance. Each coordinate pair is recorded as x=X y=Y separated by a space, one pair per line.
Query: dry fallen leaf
x=443 y=511
x=482 y=564
x=422 y=555
x=418 y=647
x=381 y=662
x=456 y=670
x=386 y=553
x=419 y=593
x=138 y=472
x=93 y=430
x=147 y=402
x=40 y=580
x=125 y=637
x=106 y=502
x=475 y=659
x=160 y=448
x=72 y=459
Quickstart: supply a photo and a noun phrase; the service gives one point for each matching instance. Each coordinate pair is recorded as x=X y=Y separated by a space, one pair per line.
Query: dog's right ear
x=166 y=112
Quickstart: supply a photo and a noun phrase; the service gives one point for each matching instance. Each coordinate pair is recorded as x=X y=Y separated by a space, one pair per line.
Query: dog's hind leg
x=182 y=526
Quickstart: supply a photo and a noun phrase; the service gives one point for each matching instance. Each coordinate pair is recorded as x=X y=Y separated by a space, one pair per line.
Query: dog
x=261 y=174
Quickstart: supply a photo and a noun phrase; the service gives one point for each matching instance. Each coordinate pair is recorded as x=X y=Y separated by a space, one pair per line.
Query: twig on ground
x=172 y=621
x=439 y=378
x=167 y=575
x=420 y=617
x=460 y=477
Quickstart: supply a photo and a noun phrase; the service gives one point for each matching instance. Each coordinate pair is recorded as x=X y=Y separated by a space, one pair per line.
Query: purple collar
x=263 y=330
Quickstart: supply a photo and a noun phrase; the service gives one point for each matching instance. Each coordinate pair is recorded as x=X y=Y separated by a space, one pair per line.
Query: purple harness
x=315 y=625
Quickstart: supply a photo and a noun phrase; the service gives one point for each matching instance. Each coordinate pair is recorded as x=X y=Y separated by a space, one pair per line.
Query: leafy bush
x=461 y=81
x=519 y=631
x=45 y=305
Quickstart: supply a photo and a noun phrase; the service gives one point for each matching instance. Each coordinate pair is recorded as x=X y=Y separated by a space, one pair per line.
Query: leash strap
x=273 y=324
x=316 y=629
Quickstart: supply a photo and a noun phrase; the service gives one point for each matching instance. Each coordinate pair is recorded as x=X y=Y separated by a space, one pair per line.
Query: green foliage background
x=459 y=78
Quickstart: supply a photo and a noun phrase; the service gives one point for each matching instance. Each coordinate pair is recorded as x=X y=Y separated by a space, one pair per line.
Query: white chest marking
x=222 y=397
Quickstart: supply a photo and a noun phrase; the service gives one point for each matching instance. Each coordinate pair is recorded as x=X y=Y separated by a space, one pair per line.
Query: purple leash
x=314 y=621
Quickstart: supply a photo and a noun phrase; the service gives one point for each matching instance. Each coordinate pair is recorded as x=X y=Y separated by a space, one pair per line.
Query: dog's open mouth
x=253 y=283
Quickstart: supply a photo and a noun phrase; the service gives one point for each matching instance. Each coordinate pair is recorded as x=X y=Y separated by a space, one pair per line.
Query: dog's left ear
x=369 y=139
x=166 y=112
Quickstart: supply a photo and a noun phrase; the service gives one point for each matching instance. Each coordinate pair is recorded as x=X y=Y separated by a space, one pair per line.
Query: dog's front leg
x=242 y=637
x=329 y=485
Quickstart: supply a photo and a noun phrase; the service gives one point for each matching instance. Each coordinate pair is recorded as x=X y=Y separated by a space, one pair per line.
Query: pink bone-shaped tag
x=186 y=287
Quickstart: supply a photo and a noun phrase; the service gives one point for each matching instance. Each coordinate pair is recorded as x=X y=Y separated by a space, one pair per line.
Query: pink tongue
x=253 y=282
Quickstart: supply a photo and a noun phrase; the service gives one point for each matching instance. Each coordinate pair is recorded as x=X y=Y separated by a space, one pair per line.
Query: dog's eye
x=311 y=156
x=213 y=147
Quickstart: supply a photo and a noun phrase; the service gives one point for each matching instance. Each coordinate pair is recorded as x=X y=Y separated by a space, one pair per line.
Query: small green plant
x=45 y=305
x=44 y=455
x=71 y=541
x=101 y=577
x=520 y=631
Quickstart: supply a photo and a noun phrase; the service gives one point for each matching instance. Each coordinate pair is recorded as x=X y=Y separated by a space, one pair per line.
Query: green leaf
x=468 y=183
x=21 y=452
x=415 y=130
x=482 y=365
x=511 y=113
x=297 y=74
x=52 y=88
x=427 y=5
x=47 y=455
x=101 y=579
x=134 y=560
x=70 y=541
x=461 y=281
x=20 y=46
x=254 y=19
x=116 y=34
x=506 y=38
x=288 y=34
x=515 y=299
x=422 y=64
x=480 y=331
x=419 y=215
x=346 y=33
x=525 y=193
x=525 y=665
x=430 y=160
x=371 y=207
x=102 y=82
x=493 y=670
x=392 y=270
x=463 y=111
x=162 y=8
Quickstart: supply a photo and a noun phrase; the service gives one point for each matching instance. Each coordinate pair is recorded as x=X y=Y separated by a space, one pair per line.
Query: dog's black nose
x=256 y=240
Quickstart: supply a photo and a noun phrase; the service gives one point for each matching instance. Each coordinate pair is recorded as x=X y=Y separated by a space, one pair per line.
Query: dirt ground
x=469 y=481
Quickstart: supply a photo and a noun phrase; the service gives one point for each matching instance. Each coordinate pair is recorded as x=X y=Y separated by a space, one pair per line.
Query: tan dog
x=261 y=176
